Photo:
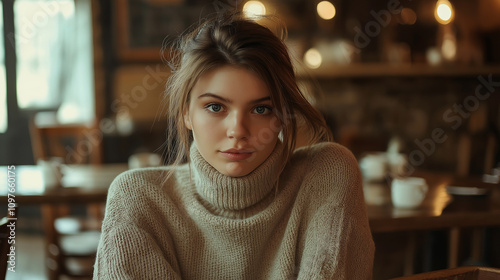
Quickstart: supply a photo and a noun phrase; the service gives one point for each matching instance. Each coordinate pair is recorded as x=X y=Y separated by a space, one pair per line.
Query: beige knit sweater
x=217 y=227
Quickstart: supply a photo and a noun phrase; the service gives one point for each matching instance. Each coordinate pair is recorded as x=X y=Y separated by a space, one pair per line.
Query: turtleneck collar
x=227 y=193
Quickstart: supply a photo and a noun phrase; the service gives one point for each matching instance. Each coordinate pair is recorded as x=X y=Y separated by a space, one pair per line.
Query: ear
x=187 y=120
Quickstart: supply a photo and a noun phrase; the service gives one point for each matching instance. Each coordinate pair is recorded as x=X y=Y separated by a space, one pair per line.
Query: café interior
x=410 y=87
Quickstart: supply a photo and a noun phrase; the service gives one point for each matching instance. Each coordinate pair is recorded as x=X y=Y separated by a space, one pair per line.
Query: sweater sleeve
x=127 y=250
x=338 y=243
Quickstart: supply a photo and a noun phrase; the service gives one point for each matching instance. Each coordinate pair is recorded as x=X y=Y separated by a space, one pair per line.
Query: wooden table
x=80 y=184
x=89 y=183
x=438 y=211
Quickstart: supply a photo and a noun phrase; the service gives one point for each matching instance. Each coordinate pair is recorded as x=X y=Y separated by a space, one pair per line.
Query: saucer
x=470 y=191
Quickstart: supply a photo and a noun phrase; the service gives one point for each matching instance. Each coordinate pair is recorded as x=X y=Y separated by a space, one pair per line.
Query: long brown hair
x=237 y=41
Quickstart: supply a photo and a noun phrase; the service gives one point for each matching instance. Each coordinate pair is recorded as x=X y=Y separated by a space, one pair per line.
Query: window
x=3 y=84
x=43 y=30
x=54 y=58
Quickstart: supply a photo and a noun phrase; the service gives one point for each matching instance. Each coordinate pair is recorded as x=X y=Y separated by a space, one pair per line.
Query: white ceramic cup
x=408 y=192
x=51 y=172
x=374 y=166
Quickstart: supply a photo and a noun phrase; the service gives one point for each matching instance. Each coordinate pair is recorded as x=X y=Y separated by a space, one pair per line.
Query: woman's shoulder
x=328 y=154
x=139 y=175
x=330 y=171
x=142 y=194
x=142 y=180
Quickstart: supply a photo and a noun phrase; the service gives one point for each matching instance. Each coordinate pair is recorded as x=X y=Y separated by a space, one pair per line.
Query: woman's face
x=232 y=119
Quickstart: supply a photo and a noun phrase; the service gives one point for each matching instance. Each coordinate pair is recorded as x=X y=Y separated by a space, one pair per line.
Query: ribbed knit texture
x=226 y=195
x=201 y=224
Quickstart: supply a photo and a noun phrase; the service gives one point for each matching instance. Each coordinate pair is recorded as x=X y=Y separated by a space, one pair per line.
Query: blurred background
x=378 y=69
x=422 y=75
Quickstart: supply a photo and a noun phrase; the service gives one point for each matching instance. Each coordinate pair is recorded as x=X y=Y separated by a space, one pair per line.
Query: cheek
x=266 y=131
x=205 y=126
x=271 y=125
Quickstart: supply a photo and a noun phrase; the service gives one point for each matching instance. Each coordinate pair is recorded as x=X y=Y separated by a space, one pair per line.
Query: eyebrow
x=208 y=94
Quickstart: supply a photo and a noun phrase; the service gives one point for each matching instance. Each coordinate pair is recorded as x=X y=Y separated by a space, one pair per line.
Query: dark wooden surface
x=84 y=184
x=439 y=210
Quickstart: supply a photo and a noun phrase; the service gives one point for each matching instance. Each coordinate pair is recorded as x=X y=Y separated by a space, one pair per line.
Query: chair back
x=73 y=143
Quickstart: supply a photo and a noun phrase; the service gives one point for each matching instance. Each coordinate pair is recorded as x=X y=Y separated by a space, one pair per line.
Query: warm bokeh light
x=254 y=9
x=433 y=56
x=449 y=48
x=326 y=10
x=313 y=58
x=444 y=12
x=408 y=16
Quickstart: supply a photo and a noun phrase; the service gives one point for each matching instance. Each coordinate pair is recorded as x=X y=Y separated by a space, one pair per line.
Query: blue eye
x=214 y=107
x=262 y=110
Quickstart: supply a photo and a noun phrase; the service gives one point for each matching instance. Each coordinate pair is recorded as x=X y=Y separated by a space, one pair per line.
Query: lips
x=237 y=154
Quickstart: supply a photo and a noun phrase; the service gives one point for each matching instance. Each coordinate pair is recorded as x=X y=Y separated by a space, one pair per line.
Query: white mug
x=51 y=172
x=374 y=167
x=408 y=192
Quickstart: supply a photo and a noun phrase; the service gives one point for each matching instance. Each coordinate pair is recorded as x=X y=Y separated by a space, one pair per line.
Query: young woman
x=247 y=205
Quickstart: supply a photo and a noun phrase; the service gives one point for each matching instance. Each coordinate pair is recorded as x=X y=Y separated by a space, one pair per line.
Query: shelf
x=386 y=70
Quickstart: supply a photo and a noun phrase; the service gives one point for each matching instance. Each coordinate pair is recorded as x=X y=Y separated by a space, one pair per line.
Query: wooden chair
x=72 y=143
x=4 y=247
x=71 y=242
x=488 y=147
x=462 y=273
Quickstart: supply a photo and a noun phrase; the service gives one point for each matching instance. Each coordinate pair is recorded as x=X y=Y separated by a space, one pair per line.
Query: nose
x=237 y=126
